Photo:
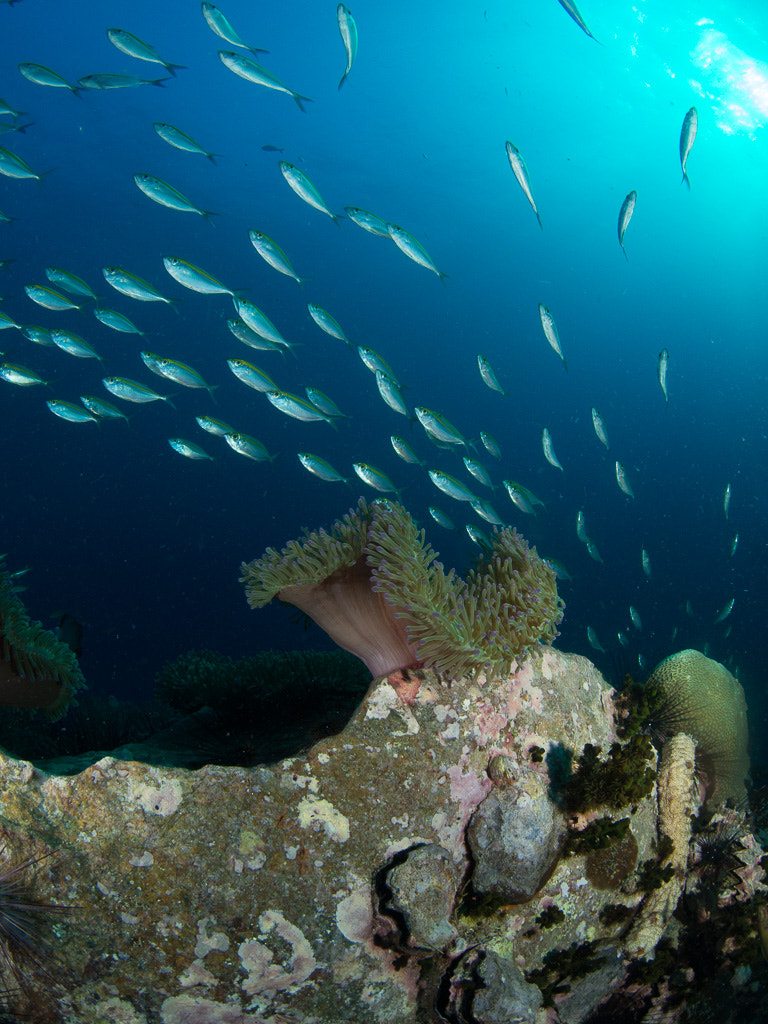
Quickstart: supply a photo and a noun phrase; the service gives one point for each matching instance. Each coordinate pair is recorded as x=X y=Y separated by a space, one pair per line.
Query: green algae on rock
x=36 y=669
x=690 y=693
x=373 y=584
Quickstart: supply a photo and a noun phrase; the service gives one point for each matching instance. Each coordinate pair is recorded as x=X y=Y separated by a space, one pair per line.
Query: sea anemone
x=372 y=583
x=36 y=669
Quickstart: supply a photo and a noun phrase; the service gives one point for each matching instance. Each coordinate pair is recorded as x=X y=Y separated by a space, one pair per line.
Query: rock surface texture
x=339 y=886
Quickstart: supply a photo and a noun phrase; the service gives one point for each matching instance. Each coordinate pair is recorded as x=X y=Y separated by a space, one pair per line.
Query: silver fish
x=252 y=375
x=348 y=30
x=251 y=71
x=520 y=171
x=41 y=75
x=188 y=448
x=102 y=408
x=734 y=544
x=367 y=221
x=593 y=641
x=593 y=552
x=479 y=538
x=489 y=377
x=69 y=282
x=405 y=451
x=327 y=323
x=490 y=444
x=727 y=500
x=305 y=190
x=645 y=560
x=573 y=10
x=244 y=333
x=438 y=427
x=519 y=497
x=322 y=469
x=12 y=166
x=478 y=471
x=20 y=375
x=213 y=426
x=413 y=249
x=550 y=332
x=441 y=518
x=132 y=286
x=374 y=477
x=73 y=344
x=375 y=362
x=599 y=425
x=71 y=413
x=248 y=446
x=622 y=481
x=194 y=278
x=133 y=391
x=581 y=527
x=549 y=449
x=687 y=139
x=635 y=616
x=725 y=611
x=625 y=216
x=107 y=81
x=130 y=44
x=115 y=320
x=661 y=368
x=221 y=25
x=49 y=298
x=259 y=322
x=390 y=392
x=6 y=322
x=450 y=486
x=324 y=403
x=180 y=140
x=486 y=511
x=272 y=254
x=166 y=195
x=298 y=408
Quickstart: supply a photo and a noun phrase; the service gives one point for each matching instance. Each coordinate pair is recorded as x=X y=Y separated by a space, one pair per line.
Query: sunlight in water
x=734 y=82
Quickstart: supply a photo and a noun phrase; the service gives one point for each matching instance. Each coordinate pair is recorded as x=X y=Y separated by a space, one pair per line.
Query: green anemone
x=373 y=583
x=36 y=669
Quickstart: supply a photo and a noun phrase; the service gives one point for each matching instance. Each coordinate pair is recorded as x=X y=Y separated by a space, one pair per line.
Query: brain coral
x=373 y=584
x=695 y=695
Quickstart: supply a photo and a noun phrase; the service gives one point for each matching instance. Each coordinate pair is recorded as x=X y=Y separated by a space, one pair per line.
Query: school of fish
x=447 y=455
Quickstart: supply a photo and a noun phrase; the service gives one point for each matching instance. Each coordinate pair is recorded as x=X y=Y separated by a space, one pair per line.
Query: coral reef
x=690 y=693
x=372 y=583
x=36 y=669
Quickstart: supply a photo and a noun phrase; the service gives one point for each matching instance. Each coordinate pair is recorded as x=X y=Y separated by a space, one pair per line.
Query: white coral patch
x=314 y=812
x=163 y=800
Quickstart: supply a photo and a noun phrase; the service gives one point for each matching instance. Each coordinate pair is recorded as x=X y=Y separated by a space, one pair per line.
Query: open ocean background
x=144 y=546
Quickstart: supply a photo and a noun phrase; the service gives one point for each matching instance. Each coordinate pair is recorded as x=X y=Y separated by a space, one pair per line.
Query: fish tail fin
x=210 y=389
x=160 y=82
x=686 y=180
x=443 y=278
x=337 y=218
x=169 y=400
x=173 y=68
x=342 y=80
x=625 y=254
x=565 y=364
x=174 y=304
x=256 y=50
x=207 y=214
x=301 y=100
x=538 y=218
x=331 y=421
x=212 y=157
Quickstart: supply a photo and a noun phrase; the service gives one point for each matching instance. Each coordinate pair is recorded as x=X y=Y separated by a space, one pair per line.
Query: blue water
x=143 y=546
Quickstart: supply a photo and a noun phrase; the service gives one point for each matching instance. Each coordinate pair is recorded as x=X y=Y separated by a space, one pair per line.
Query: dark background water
x=144 y=546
